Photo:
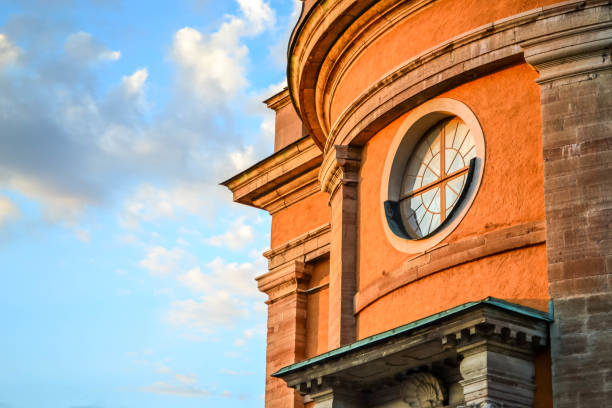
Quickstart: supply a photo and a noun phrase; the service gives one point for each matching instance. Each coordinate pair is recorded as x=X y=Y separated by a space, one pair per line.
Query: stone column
x=497 y=375
x=343 y=246
x=287 y=313
x=575 y=78
x=338 y=398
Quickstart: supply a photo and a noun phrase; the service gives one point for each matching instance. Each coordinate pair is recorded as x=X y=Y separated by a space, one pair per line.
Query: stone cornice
x=585 y=50
x=305 y=248
x=330 y=38
x=279 y=100
x=450 y=255
x=455 y=61
x=281 y=179
x=370 y=26
x=291 y=278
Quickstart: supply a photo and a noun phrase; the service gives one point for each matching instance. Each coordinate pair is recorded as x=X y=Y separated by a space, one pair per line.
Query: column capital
x=340 y=167
x=570 y=53
x=290 y=278
x=497 y=374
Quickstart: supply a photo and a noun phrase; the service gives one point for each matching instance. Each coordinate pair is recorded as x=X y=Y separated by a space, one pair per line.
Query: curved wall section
x=407 y=37
x=511 y=195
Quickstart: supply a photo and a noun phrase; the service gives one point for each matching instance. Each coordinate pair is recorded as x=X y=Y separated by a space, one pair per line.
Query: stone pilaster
x=338 y=397
x=286 y=342
x=496 y=375
x=575 y=77
x=342 y=186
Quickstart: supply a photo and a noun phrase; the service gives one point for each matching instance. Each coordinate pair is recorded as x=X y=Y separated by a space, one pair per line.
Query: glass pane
x=429 y=199
x=426 y=173
x=435 y=223
x=451 y=198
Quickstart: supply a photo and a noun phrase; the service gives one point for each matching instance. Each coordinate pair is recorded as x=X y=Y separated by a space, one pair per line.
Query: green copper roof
x=491 y=301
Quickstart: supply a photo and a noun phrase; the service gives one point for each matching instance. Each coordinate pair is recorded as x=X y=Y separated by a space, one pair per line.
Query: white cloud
x=83 y=235
x=232 y=354
x=211 y=311
x=163 y=369
x=236 y=237
x=9 y=52
x=258 y=13
x=150 y=203
x=246 y=335
x=123 y=292
x=83 y=46
x=241 y=159
x=71 y=146
x=210 y=66
x=8 y=210
x=236 y=373
x=135 y=82
x=278 y=51
x=186 y=378
x=213 y=67
x=164 y=388
x=161 y=261
x=233 y=277
x=59 y=205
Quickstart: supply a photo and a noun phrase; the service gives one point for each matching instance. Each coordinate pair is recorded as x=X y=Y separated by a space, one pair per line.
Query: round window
x=435 y=177
x=432 y=174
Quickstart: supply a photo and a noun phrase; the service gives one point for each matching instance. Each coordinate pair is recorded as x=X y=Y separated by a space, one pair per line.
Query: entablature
x=332 y=35
x=281 y=179
x=475 y=353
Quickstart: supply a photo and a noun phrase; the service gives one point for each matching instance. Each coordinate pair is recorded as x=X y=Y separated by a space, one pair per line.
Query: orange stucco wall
x=287 y=127
x=439 y=22
x=299 y=218
x=511 y=193
x=516 y=276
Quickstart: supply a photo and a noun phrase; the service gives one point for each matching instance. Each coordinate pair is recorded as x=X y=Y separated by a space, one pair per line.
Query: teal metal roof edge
x=501 y=304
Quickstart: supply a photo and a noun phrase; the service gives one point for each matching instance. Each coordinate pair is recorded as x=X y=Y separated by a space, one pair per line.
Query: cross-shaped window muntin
x=436 y=183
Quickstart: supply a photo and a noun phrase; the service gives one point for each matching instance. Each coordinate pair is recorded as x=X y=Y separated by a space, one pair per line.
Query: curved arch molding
x=333 y=34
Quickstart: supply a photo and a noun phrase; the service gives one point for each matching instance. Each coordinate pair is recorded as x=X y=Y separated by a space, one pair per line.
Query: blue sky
x=127 y=271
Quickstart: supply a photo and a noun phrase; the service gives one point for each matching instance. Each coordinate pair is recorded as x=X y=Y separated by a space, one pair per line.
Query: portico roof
x=491 y=302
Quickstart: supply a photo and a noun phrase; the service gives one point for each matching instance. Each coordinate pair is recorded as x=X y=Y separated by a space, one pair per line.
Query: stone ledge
x=450 y=255
x=306 y=247
x=282 y=282
x=458 y=60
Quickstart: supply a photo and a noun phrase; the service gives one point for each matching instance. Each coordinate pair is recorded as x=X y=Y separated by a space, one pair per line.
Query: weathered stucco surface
x=512 y=188
x=300 y=218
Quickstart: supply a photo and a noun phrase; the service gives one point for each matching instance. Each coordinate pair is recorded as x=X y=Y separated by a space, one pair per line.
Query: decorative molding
x=289 y=193
x=458 y=60
x=582 y=51
x=423 y=390
x=290 y=279
x=450 y=255
x=455 y=61
x=282 y=179
x=357 y=38
x=314 y=35
x=278 y=100
x=305 y=248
